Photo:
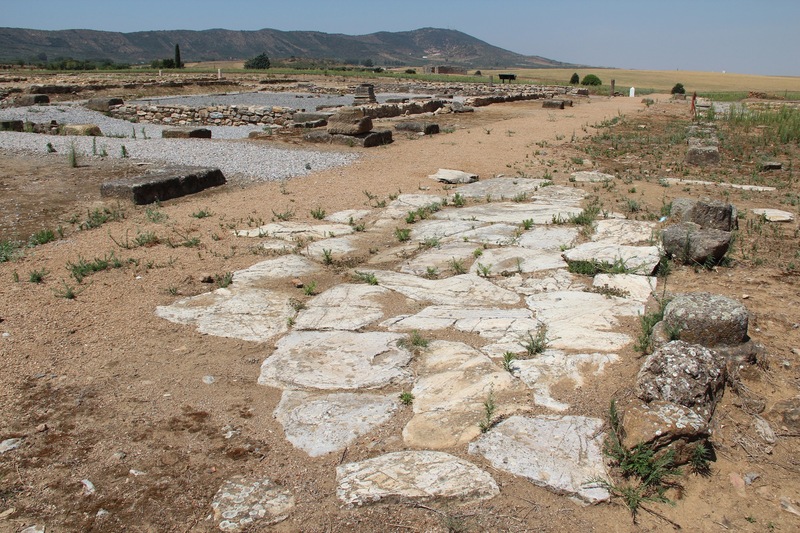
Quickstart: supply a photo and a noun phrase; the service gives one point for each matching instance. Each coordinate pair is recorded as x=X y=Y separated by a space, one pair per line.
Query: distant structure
x=444 y=69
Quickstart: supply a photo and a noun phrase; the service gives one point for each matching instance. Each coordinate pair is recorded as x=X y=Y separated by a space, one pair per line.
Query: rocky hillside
x=417 y=47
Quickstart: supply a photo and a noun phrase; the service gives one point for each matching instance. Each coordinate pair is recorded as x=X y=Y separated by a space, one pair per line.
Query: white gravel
x=244 y=161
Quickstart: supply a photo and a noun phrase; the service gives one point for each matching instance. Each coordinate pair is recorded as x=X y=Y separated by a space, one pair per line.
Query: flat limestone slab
x=440 y=258
x=453 y=381
x=584 y=321
x=621 y=231
x=246 y=313
x=638 y=288
x=756 y=188
x=553 y=367
x=546 y=281
x=444 y=230
x=343 y=307
x=548 y=238
x=344 y=217
x=774 y=215
x=417 y=475
x=400 y=206
x=501 y=188
x=163 y=185
x=320 y=424
x=510 y=213
x=244 y=502
x=513 y=259
x=294 y=231
x=335 y=248
x=590 y=176
x=446 y=175
x=641 y=260
x=498 y=234
x=331 y=360
x=560 y=453
x=449 y=291
x=285 y=266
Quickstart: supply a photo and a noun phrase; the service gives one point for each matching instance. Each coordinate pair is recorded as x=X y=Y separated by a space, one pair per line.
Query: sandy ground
x=102 y=389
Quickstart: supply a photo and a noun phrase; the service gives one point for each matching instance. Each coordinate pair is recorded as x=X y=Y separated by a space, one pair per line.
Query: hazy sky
x=744 y=36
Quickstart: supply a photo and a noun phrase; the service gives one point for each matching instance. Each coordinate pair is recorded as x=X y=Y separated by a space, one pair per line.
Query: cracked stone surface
x=246 y=313
x=400 y=206
x=440 y=258
x=621 y=231
x=294 y=231
x=343 y=307
x=337 y=247
x=637 y=259
x=320 y=424
x=286 y=266
x=417 y=475
x=511 y=212
x=344 y=217
x=634 y=287
x=501 y=188
x=548 y=238
x=331 y=360
x=453 y=382
x=448 y=291
x=553 y=366
x=590 y=176
x=584 y=321
x=547 y=281
x=513 y=259
x=246 y=502
x=774 y=215
x=560 y=453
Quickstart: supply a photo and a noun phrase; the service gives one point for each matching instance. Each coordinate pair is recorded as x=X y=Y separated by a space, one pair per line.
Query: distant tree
x=575 y=79
x=178 y=63
x=678 y=89
x=477 y=73
x=411 y=71
x=368 y=63
x=261 y=61
x=591 y=79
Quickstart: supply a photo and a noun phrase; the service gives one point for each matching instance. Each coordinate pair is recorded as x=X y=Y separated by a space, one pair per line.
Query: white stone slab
x=755 y=188
x=501 y=188
x=556 y=194
x=441 y=229
x=516 y=260
x=404 y=203
x=453 y=382
x=560 y=453
x=511 y=212
x=584 y=321
x=774 y=215
x=553 y=367
x=619 y=231
x=285 y=266
x=331 y=360
x=547 y=281
x=449 y=291
x=641 y=260
x=548 y=238
x=294 y=231
x=440 y=258
x=337 y=247
x=320 y=424
x=498 y=234
x=417 y=475
x=249 y=314
x=343 y=307
x=446 y=175
x=638 y=288
x=242 y=503
x=347 y=216
x=590 y=176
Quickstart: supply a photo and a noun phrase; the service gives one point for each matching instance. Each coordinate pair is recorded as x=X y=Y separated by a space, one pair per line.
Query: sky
x=742 y=36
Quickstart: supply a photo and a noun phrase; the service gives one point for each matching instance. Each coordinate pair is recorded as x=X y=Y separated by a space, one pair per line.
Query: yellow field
x=664 y=80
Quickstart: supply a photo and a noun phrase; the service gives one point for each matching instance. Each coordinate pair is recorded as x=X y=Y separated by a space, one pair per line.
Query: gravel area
x=239 y=160
x=297 y=101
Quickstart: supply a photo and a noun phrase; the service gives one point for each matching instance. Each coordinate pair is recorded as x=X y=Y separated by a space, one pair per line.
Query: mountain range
x=414 y=48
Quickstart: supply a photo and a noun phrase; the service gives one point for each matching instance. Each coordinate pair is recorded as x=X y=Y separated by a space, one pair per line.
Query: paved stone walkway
x=493 y=270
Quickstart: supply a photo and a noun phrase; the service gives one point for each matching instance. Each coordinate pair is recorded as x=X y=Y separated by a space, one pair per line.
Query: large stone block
x=103 y=104
x=164 y=184
x=707 y=319
x=11 y=125
x=428 y=128
x=553 y=104
x=349 y=121
x=702 y=155
x=186 y=133
x=90 y=130
x=690 y=244
x=31 y=99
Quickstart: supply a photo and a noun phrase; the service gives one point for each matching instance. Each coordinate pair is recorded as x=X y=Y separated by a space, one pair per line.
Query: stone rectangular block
x=186 y=133
x=164 y=184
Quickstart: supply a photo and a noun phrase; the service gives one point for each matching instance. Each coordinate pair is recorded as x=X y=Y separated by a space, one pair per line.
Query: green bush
x=591 y=79
x=678 y=89
x=575 y=79
x=261 y=61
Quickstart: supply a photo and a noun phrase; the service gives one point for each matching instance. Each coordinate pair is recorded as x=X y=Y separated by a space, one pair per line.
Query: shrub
x=678 y=89
x=591 y=79
x=411 y=71
x=575 y=79
x=261 y=61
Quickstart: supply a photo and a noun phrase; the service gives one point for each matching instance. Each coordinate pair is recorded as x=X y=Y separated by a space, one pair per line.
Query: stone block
x=364 y=140
x=428 y=128
x=553 y=104
x=702 y=155
x=11 y=125
x=164 y=184
x=186 y=133
x=88 y=130
x=690 y=244
x=349 y=121
x=26 y=100
x=103 y=104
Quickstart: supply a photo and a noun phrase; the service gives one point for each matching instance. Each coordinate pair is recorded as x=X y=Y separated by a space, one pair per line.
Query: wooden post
x=613 y=83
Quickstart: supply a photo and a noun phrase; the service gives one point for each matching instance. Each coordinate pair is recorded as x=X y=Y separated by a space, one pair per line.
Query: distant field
x=664 y=80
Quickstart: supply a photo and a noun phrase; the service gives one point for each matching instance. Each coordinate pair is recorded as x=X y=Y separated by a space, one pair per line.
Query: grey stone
x=770 y=165
x=9 y=444
x=690 y=244
x=502 y=188
x=511 y=212
x=427 y=128
x=708 y=214
x=787 y=413
x=631 y=286
x=590 y=176
x=242 y=503
x=757 y=188
x=661 y=424
x=450 y=291
x=343 y=307
x=296 y=231
x=186 y=133
x=302 y=116
x=440 y=259
x=87 y=130
x=369 y=139
x=707 y=319
x=349 y=121
x=560 y=453
x=686 y=374
x=103 y=104
x=641 y=260
x=446 y=175
x=348 y=215
x=26 y=100
x=622 y=231
x=331 y=360
x=548 y=238
x=702 y=155
x=12 y=125
x=416 y=475
x=320 y=424
x=774 y=215
x=553 y=104
x=285 y=266
x=516 y=260
x=163 y=184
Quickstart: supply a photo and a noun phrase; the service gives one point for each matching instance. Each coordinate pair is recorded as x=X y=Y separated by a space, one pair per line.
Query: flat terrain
x=99 y=388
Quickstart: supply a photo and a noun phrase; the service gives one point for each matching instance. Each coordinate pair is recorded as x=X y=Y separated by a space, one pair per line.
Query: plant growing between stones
x=489 y=408
x=431 y=272
x=284 y=215
x=41 y=237
x=457 y=266
x=527 y=224
x=402 y=234
x=406 y=398
x=366 y=277
x=508 y=361
x=459 y=200
x=535 y=344
x=484 y=270
x=223 y=280
x=415 y=341
x=318 y=213
x=50 y=149
x=310 y=288
x=327 y=256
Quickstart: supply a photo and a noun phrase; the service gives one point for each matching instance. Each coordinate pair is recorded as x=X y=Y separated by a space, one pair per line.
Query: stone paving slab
x=546 y=281
x=620 y=231
x=553 y=367
x=440 y=258
x=400 y=206
x=416 y=475
x=332 y=360
x=249 y=314
x=513 y=259
x=453 y=381
x=584 y=321
x=774 y=215
x=548 y=238
x=641 y=260
x=501 y=188
x=335 y=248
x=242 y=503
x=510 y=212
x=344 y=217
x=590 y=176
x=343 y=307
x=293 y=231
x=164 y=184
x=285 y=266
x=560 y=453
x=441 y=229
x=449 y=291
x=755 y=188
x=634 y=287
x=320 y=424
